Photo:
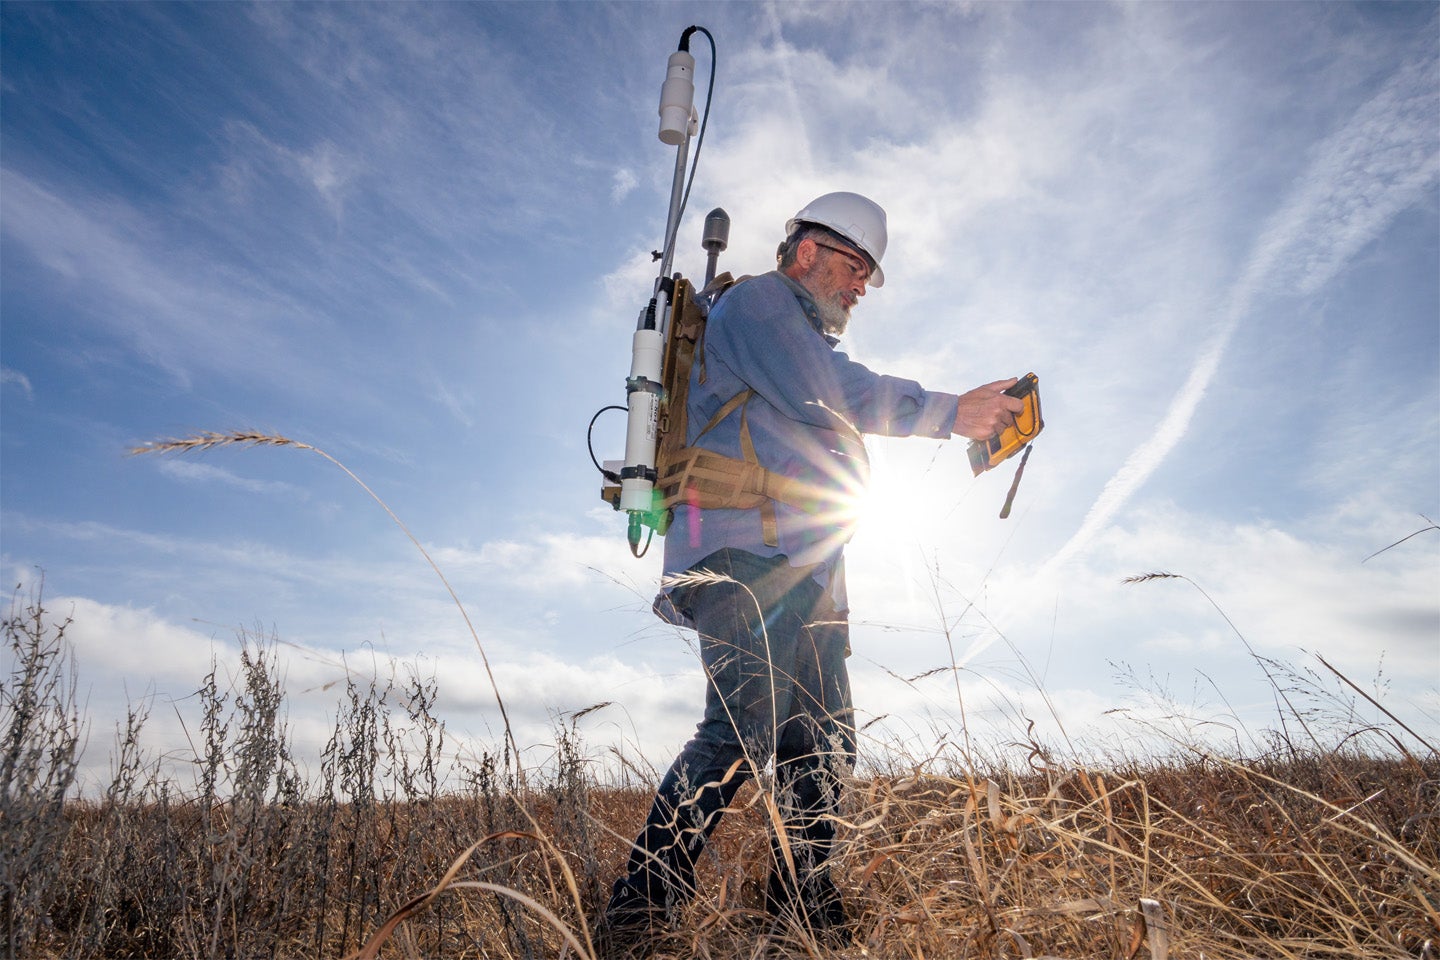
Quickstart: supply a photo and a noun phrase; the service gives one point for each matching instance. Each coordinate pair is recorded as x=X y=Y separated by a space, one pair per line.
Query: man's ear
x=806 y=253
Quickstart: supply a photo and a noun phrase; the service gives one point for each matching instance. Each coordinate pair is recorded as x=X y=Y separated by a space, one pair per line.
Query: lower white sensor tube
x=646 y=357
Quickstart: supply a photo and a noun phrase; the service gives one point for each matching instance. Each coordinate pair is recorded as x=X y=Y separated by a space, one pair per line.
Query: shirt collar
x=807 y=303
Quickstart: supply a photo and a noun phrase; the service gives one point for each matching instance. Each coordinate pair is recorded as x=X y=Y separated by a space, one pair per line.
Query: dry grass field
x=1322 y=842
x=1326 y=848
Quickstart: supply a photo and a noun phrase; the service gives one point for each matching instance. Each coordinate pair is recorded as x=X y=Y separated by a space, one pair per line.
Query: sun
x=896 y=506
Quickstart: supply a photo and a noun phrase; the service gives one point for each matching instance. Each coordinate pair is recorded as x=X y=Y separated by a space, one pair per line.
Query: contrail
x=1377 y=165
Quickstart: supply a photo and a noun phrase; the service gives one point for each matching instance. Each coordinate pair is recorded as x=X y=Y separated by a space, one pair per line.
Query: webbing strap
x=721 y=481
x=769 y=528
x=740 y=398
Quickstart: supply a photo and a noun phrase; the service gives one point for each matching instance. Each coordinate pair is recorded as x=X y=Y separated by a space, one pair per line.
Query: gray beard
x=833 y=318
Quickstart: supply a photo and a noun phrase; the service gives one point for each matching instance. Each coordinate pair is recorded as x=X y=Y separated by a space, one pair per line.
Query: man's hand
x=985 y=411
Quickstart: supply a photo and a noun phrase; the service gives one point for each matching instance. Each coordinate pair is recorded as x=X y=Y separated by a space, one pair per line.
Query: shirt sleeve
x=769 y=345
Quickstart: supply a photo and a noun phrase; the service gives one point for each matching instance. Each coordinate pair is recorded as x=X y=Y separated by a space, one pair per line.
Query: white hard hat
x=858 y=219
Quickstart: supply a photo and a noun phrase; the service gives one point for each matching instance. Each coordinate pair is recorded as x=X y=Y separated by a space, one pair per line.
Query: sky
x=417 y=237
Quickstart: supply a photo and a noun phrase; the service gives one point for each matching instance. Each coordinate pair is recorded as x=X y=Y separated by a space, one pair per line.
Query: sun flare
x=897 y=506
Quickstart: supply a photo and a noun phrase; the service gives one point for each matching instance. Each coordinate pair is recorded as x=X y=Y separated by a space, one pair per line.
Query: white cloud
x=457 y=405
x=1292 y=592
x=126 y=657
x=175 y=311
x=544 y=563
x=326 y=169
x=115 y=639
x=1380 y=162
x=623 y=185
x=19 y=380
x=1289 y=595
x=192 y=472
x=323 y=167
x=626 y=287
x=1376 y=165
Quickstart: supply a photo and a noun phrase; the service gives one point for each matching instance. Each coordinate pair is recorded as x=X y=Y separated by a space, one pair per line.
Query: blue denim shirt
x=765 y=334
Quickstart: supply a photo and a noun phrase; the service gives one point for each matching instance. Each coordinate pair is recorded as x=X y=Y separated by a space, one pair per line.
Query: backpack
x=693 y=475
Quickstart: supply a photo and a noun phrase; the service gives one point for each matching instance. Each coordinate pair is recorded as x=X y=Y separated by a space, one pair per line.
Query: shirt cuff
x=937 y=417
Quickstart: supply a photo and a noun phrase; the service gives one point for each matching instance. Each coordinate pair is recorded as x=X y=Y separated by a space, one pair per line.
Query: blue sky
x=416 y=236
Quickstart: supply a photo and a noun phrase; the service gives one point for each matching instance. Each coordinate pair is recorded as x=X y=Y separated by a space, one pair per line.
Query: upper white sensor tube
x=677 y=98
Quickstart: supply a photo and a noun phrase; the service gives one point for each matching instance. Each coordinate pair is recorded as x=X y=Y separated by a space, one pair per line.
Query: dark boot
x=630 y=923
x=816 y=906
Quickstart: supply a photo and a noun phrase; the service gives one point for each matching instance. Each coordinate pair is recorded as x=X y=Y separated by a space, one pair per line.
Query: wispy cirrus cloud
x=623 y=184
x=19 y=380
x=190 y=471
x=1376 y=165
x=161 y=299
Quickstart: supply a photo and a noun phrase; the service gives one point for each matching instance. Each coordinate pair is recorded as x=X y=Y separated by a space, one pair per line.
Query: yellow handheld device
x=985 y=454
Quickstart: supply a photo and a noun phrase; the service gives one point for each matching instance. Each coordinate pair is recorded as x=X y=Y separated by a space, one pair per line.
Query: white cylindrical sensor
x=677 y=98
x=647 y=354
x=647 y=350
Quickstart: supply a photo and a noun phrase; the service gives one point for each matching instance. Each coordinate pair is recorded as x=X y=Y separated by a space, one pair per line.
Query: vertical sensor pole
x=647 y=348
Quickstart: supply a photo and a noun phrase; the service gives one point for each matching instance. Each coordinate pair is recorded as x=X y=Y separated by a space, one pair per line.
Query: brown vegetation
x=1314 y=852
x=1323 y=841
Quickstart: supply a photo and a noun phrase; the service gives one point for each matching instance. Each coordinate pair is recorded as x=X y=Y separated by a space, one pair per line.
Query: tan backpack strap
x=738 y=400
x=769 y=527
x=713 y=291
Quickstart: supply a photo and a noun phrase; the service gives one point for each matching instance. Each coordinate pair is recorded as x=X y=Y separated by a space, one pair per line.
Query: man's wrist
x=938 y=418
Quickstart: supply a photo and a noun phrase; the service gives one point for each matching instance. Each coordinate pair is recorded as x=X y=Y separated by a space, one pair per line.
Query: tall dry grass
x=1295 y=853
x=1320 y=840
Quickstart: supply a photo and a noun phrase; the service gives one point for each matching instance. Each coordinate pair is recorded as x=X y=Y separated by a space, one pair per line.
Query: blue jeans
x=774 y=651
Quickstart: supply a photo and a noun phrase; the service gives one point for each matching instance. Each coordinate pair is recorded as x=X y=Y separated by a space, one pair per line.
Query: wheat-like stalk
x=210 y=439
x=1432 y=526
x=694 y=578
x=1266 y=666
x=1145 y=577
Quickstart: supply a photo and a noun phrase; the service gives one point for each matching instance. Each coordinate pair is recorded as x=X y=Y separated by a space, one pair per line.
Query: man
x=764 y=587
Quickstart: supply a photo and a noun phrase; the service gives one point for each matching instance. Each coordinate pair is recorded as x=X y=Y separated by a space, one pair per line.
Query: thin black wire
x=637 y=554
x=612 y=477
